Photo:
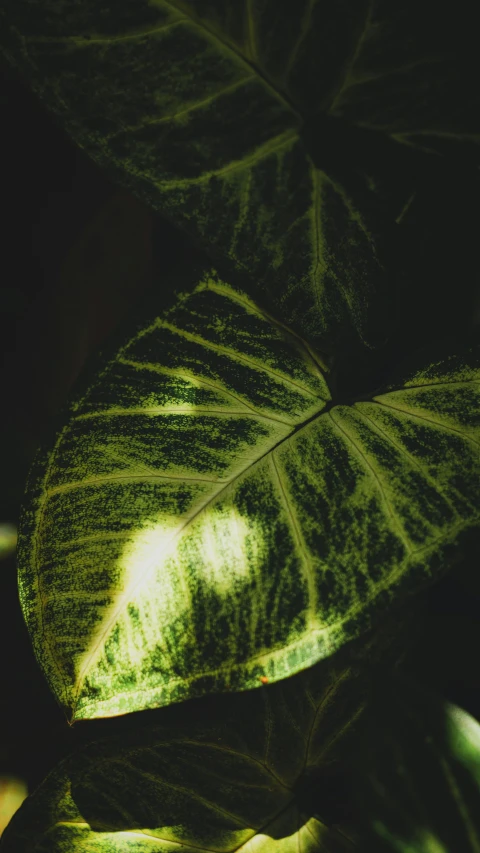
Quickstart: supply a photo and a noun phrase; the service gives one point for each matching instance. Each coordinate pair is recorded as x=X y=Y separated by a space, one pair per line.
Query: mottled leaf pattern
x=221 y=774
x=198 y=108
x=208 y=516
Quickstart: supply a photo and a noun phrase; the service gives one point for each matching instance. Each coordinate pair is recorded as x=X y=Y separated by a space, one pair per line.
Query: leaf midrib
x=127 y=594
x=217 y=35
x=199 y=509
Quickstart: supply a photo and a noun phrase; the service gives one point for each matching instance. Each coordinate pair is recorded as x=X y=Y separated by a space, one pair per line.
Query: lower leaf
x=239 y=772
x=207 y=516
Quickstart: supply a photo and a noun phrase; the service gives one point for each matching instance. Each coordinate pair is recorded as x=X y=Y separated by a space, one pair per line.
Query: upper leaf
x=200 y=108
x=207 y=516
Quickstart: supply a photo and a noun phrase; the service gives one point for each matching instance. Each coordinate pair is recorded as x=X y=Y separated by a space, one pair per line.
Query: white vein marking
x=77 y=594
x=193 y=379
x=319 y=366
x=174 y=117
x=187 y=409
x=432 y=384
x=236 y=356
x=304 y=30
x=377 y=479
x=133 y=478
x=422 y=468
x=216 y=35
x=301 y=545
x=85 y=41
x=187 y=520
x=437 y=424
x=211 y=805
x=283 y=140
x=95 y=537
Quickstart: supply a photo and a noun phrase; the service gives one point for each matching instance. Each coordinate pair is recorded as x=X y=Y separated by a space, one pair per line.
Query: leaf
x=207 y=516
x=13 y=792
x=8 y=539
x=200 y=109
x=417 y=779
x=412 y=76
x=224 y=773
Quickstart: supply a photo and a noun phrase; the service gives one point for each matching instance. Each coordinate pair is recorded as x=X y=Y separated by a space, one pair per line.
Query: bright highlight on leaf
x=207 y=516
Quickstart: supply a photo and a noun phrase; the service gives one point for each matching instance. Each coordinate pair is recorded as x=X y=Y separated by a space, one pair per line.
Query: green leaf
x=202 y=110
x=207 y=516
x=417 y=779
x=223 y=773
x=412 y=76
x=8 y=539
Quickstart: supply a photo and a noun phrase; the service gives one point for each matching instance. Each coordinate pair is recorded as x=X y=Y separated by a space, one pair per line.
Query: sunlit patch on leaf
x=207 y=516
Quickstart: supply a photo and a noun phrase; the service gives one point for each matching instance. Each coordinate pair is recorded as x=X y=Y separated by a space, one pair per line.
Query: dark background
x=77 y=254
x=76 y=257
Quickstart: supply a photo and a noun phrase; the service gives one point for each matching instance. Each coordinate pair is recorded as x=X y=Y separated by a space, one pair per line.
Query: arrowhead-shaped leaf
x=207 y=516
x=417 y=780
x=224 y=773
x=201 y=107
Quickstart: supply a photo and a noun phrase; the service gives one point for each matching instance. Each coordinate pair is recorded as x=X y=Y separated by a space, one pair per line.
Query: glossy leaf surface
x=224 y=773
x=200 y=108
x=207 y=515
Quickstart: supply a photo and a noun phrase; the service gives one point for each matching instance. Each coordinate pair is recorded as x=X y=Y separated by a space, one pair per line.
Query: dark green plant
x=249 y=485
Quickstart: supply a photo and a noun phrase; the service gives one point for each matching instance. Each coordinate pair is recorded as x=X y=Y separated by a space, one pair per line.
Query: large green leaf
x=417 y=778
x=249 y=771
x=204 y=108
x=207 y=516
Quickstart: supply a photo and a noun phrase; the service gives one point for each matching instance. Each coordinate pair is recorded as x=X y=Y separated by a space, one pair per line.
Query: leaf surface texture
x=208 y=516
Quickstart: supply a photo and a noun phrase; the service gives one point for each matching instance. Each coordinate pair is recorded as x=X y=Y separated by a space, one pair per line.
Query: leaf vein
x=188 y=409
x=193 y=378
x=174 y=117
x=378 y=481
x=415 y=461
x=438 y=424
x=236 y=356
x=99 y=481
x=297 y=534
x=319 y=365
x=283 y=140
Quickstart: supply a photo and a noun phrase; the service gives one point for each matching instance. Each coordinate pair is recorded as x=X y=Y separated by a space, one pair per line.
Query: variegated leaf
x=208 y=515
x=200 y=109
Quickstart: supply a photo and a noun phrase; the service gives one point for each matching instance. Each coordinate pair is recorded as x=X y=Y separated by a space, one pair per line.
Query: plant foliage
x=213 y=513
x=207 y=515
